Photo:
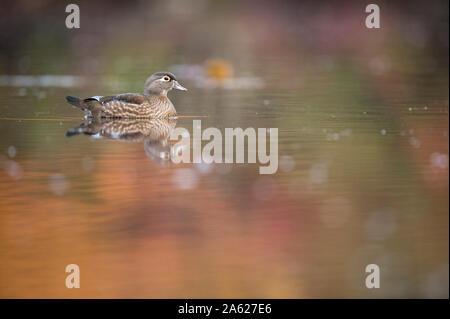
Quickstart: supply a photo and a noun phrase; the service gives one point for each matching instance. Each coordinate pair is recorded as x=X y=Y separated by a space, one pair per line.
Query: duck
x=153 y=103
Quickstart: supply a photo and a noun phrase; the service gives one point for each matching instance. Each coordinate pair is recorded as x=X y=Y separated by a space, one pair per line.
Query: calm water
x=358 y=183
x=362 y=178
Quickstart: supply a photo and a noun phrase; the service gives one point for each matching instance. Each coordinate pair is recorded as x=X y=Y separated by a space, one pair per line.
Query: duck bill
x=178 y=86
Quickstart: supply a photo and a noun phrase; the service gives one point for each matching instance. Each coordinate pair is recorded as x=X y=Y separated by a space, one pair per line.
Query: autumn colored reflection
x=362 y=118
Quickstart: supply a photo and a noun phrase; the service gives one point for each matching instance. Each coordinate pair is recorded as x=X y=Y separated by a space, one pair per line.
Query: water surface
x=362 y=178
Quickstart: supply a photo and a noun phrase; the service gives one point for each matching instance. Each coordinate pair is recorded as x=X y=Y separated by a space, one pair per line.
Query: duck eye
x=166 y=78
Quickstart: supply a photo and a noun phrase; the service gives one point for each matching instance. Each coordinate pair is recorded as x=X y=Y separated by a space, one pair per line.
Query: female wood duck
x=154 y=103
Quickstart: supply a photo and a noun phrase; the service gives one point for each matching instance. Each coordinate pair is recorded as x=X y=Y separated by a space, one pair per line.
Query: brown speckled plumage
x=136 y=106
x=154 y=103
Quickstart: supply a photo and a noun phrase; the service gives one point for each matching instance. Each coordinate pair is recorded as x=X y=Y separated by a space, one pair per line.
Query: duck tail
x=75 y=101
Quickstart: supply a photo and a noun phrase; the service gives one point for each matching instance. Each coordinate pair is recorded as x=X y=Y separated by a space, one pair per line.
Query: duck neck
x=156 y=92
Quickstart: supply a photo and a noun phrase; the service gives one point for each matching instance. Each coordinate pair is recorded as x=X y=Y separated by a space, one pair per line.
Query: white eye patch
x=164 y=79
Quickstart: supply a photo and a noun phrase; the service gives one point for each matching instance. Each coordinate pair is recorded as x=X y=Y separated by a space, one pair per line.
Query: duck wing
x=128 y=105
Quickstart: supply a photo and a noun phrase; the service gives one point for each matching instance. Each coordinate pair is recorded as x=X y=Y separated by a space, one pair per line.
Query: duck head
x=162 y=82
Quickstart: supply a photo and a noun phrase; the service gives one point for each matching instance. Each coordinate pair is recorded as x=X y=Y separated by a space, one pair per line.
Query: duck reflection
x=153 y=133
